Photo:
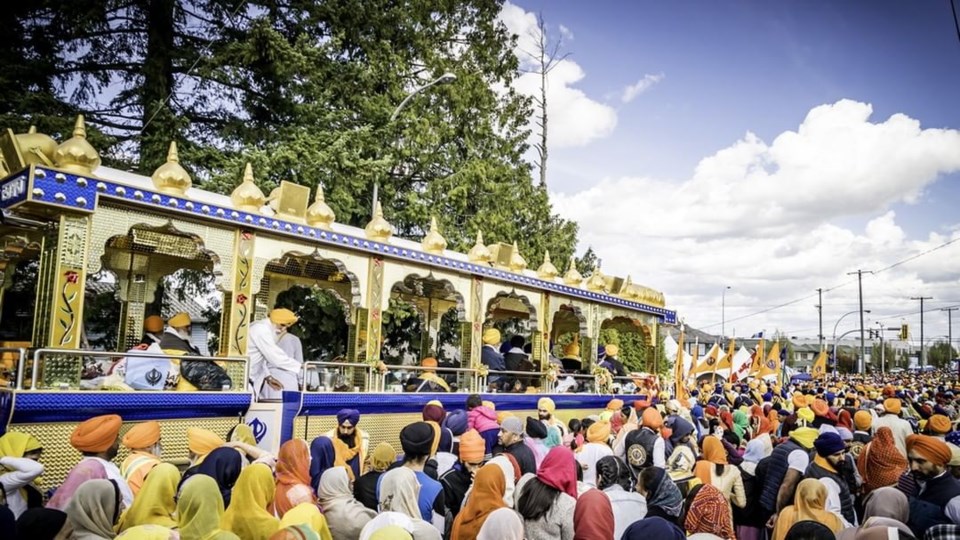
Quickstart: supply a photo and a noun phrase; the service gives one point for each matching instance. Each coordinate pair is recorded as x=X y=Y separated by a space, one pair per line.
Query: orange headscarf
x=293 y=470
x=880 y=462
x=713 y=454
x=809 y=505
x=487 y=496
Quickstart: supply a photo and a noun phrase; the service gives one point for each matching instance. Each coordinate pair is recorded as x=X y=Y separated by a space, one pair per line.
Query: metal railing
x=41 y=358
x=17 y=380
x=538 y=378
x=468 y=379
x=369 y=379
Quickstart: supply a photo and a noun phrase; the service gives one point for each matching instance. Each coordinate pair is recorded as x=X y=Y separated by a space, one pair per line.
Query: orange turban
x=651 y=418
x=203 y=441
x=96 y=434
x=143 y=435
x=615 y=404
x=892 y=405
x=153 y=324
x=939 y=424
x=429 y=362
x=599 y=432
x=862 y=420
x=471 y=447
x=930 y=448
x=799 y=400
x=820 y=408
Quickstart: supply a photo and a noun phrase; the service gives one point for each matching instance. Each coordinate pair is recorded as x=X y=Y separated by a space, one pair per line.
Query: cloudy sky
x=769 y=147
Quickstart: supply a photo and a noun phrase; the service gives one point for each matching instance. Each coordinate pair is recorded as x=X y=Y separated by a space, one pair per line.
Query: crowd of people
x=856 y=459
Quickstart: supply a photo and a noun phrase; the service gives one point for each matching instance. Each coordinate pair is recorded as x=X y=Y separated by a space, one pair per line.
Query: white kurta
x=267 y=358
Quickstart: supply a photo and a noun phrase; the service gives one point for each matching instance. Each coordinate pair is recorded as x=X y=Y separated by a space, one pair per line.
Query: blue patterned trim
x=40 y=407
x=79 y=193
x=329 y=404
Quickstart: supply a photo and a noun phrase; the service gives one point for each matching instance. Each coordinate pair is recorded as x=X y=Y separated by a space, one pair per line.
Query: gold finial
x=248 y=196
x=434 y=242
x=171 y=178
x=36 y=148
x=547 y=270
x=378 y=229
x=320 y=214
x=596 y=282
x=76 y=155
x=572 y=277
x=517 y=262
x=479 y=252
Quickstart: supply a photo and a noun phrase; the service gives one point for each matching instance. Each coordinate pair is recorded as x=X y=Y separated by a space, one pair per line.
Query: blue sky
x=856 y=188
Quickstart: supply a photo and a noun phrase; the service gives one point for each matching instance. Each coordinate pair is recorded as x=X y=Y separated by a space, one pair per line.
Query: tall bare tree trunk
x=158 y=84
x=547 y=56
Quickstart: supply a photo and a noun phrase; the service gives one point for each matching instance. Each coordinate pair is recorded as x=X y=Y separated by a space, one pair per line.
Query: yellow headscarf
x=200 y=508
x=391 y=532
x=154 y=504
x=147 y=532
x=307 y=514
x=16 y=444
x=243 y=433
x=383 y=456
x=809 y=505
x=247 y=516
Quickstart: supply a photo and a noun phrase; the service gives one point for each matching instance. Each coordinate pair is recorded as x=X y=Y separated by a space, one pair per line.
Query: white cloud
x=575 y=118
x=566 y=33
x=766 y=220
x=633 y=90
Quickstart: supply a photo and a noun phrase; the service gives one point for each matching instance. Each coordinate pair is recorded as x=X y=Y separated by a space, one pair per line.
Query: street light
x=443 y=79
x=838 y=324
x=723 y=312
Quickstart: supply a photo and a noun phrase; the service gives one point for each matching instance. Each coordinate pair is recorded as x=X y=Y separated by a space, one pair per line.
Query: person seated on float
x=177 y=336
x=611 y=362
x=152 y=330
x=191 y=375
x=490 y=356
x=571 y=356
x=272 y=370
x=427 y=380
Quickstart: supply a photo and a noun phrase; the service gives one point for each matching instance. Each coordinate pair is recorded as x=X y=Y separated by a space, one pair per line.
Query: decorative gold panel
x=59 y=457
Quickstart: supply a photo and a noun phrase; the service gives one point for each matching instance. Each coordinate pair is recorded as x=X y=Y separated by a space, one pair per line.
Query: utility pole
x=923 y=346
x=820 y=315
x=950 y=311
x=863 y=348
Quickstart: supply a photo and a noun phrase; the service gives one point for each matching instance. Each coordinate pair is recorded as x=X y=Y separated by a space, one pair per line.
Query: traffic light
x=904 y=332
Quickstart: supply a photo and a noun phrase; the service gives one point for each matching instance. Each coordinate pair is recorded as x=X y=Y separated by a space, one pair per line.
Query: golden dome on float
x=547 y=270
x=247 y=196
x=596 y=282
x=36 y=148
x=75 y=154
x=171 y=178
x=572 y=277
x=479 y=252
x=379 y=229
x=434 y=242
x=517 y=262
x=319 y=214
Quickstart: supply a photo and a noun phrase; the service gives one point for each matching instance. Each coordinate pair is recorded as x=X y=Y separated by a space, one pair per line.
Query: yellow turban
x=611 y=350
x=615 y=404
x=572 y=350
x=605 y=416
x=862 y=420
x=939 y=424
x=142 y=435
x=491 y=336
x=283 y=316
x=96 y=434
x=892 y=405
x=546 y=404
x=383 y=456
x=805 y=414
x=180 y=320
x=598 y=432
x=805 y=436
x=16 y=444
x=799 y=400
x=490 y=405
x=153 y=324
x=203 y=441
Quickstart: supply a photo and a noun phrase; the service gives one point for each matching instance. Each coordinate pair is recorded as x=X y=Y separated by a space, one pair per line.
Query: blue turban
x=352 y=415
x=829 y=443
x=953 y=437
x=456 y=422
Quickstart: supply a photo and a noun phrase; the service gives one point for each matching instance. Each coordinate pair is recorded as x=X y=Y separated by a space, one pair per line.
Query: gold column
x=374 y=316
x=476 y=318
x=546 y=320
x=58 y=318
x=238 y=302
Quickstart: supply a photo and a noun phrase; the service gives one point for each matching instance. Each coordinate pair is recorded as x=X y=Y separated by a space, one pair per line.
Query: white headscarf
x=345 y=515
x=754 y=453
x=502 y=524
x=399 y=491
